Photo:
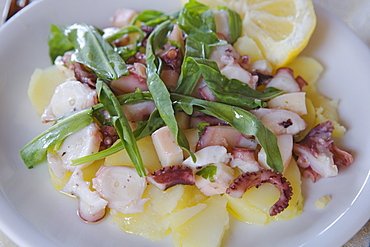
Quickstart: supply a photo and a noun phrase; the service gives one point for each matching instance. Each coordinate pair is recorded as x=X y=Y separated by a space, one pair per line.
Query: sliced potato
x=88 y=173
x=255 y=204
x=326 y=109
x=147 y=151
x=205 y=228
x=153 y=223
x=42 y=86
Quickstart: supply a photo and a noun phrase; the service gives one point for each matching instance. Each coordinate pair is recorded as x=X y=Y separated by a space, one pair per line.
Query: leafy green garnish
x=143 y=129
x=58 y=42
x=233 y=91
x=242 y=120
x=34 y=152
x=235 y=24
x=95 y=52
x=112 y=105
x=196 y=27
x=126 y=30
x=190 y=72
x=208 y=172
x=201 y=127
x=156 y=86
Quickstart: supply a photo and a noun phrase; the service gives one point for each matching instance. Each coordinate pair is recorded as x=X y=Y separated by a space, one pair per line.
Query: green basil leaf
x=58 y=42
x=35 y=151
x=112 y=105
x=95 y=52
x=240 y=119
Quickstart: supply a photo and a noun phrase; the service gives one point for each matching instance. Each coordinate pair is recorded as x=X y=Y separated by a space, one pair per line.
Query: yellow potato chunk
x=147 y=151
x=158 y=217
x=205 y=228
x=153 y=223
x=323 y=201
x=247 y=46
x=58 y=183
x=309 y=118
x=255 y=204
x=181 y=217
x=42 y=86
x=326 y=109
x=88 y=173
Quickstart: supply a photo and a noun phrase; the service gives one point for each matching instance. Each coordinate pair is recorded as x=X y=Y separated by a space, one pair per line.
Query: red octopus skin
x=249 y=179
x=319 y=140
x=169 y=176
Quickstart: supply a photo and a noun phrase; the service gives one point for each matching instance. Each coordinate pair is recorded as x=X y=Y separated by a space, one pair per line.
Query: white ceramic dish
x=32 y=213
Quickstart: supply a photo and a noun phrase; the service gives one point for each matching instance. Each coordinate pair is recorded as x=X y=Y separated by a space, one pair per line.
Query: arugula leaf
x=200 y=29
x=112 y=105
x=196 y=27
x=157 y=87
x=148 y=15
x=232 y=91
x=58 y=42
x=201 y=127
x=235 y=24
x=95 y=52
x=143 y=129
x=153 y=18
x=125 y=52
x=126 y=30
x=242 y=120
x=208 y=172
x=146 y=128
x=195 y=6
x=34 y=152
x=118 y=146
x=208 y=17
x=190 y=72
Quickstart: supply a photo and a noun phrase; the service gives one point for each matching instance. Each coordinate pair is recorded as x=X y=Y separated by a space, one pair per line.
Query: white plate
x=32 y=213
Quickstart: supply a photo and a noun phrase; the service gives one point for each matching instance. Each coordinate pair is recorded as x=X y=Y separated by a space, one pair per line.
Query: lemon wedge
x=280 y=28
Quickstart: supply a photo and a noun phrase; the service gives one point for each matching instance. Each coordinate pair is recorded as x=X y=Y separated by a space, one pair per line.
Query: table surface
x=356 y=15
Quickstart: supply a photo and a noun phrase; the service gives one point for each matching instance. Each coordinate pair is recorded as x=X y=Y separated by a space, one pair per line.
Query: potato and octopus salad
x=163 y=122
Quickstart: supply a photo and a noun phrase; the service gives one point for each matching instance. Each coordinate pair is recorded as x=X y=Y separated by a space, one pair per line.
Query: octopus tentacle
x=249 y=179
x=318 y=145
x=169 y=176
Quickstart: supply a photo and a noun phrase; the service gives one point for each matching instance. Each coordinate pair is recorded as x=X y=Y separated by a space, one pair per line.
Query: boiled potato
x=42 y=85
x=88 y=172
x=147 y=151
x=309 y=118
x=153 y=223
x=255 y=204
x=158 y=218
x=205 y=228
x=326 y=109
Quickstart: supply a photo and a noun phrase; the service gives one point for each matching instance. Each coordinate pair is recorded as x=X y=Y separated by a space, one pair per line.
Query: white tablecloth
x=356 y=14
